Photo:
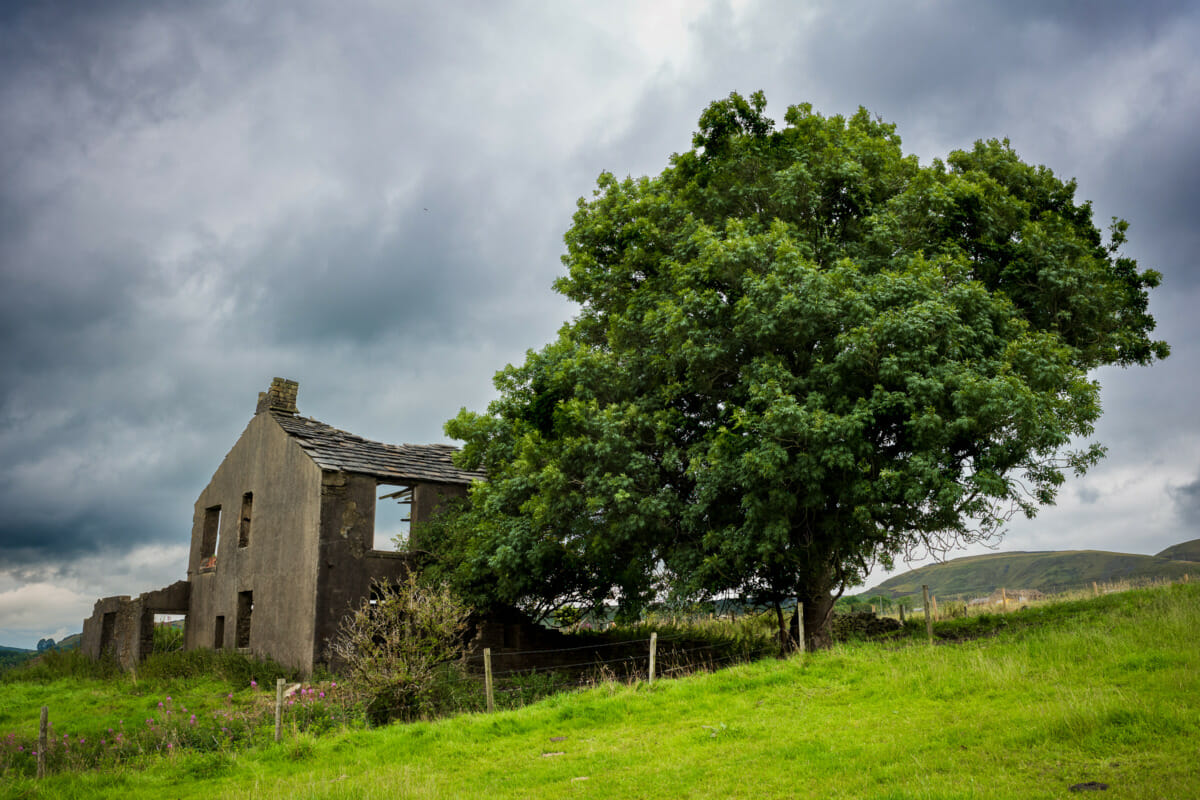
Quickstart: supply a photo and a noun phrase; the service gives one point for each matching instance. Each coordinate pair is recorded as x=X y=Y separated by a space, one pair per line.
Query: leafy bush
x=392 y=647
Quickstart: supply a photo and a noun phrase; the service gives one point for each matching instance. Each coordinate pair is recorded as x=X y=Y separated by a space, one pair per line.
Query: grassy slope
x=1105 y=690
x=1049 y=572
x=1184 y=551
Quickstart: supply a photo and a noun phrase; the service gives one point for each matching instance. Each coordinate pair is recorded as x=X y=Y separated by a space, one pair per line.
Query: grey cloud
x=1187 y=502
x=197 y=197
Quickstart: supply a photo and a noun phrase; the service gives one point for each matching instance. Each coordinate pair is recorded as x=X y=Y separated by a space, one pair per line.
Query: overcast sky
x=369 y=198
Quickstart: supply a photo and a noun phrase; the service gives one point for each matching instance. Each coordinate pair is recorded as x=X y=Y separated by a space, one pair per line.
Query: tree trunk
x=818 y=618
x=785 y=637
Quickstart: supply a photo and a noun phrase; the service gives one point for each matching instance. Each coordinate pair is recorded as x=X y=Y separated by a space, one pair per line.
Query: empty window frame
x=108 y=627
x=393 y=515
x=210 y=536
x=244 y=522
x=219 y=634
x=244 y=611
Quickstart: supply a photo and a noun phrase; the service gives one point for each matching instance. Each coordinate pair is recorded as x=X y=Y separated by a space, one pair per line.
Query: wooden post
x=799 y=627
x=487 y=678
x=43 y=741
x=278 y=708
x=653 y=653
x=901 y=614
x=933 y=602
x=928 y=615
x=1095 y=590
x=1004 y=597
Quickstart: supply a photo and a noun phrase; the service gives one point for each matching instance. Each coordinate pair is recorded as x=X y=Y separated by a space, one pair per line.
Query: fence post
x=1095 y=590
x=933 y=602
x=487 y=678
x=278 y=708
x=928 y=614
x=43 y=741
x=799 y=626
x=1004 y=597
x=901 y=614
x=653 y=653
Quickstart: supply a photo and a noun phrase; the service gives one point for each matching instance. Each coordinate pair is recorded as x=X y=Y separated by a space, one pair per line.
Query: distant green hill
x=1055 y=571
x=1185 y=551
x=11 y=656
x=69 y=642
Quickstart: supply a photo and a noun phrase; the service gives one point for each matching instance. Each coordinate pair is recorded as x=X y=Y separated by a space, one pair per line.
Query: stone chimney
x=280 y=397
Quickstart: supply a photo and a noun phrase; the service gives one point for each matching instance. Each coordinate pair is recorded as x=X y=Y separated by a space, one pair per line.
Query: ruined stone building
x=284 y=539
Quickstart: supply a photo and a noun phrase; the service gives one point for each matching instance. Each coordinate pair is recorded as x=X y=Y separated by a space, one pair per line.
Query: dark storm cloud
x=198 y=198
x=410 y=270
x=1187 y=502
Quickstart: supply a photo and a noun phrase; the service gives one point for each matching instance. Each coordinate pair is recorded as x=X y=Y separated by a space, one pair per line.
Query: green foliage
x=235 y=669
x=393 y=646
x=57 y=664
x=798 y=353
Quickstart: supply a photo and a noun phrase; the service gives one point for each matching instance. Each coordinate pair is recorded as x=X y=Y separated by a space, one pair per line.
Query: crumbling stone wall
x=123 y=627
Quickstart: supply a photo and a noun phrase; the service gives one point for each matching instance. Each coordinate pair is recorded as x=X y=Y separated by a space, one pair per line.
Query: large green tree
x=799 y=352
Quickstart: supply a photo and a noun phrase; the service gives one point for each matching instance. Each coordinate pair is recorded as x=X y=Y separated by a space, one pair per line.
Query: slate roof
x=337 y=450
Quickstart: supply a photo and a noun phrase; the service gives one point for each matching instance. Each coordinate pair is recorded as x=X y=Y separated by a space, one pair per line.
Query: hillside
x=974 y=576
x=1184 y=551
x=1099 y=691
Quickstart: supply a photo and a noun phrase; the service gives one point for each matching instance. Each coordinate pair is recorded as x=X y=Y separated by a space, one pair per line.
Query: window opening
x=167 y=634
x=393 y=515
x=108 y=625
x=244 y=524
x=210 y=537
x=245 y=610
x=219 y=634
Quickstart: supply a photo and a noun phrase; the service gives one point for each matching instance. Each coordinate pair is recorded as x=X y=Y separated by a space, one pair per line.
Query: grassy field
x=1104 y=690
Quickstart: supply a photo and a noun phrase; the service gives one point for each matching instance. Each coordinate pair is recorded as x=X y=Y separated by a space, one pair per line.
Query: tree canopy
x=799 y=352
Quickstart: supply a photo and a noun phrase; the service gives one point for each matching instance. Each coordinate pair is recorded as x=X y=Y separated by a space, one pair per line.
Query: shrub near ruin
x=393 y=646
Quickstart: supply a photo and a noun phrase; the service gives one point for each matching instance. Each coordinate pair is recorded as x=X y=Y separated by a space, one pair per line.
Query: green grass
x=1098 y=690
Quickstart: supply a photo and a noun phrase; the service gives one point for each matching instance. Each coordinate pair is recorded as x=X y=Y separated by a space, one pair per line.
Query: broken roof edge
x=336 y=450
